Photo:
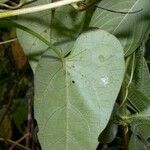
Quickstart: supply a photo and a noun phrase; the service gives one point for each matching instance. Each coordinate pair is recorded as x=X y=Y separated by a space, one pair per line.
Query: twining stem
x=14 y=6
x=9 y=141
x=126 y=140
x=130 y=80
x=18 y=141
x=9 y=23
x=123 y=100
x=38 y=8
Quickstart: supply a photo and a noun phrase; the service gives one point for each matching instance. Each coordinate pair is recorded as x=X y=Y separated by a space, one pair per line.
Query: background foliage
x=128 y=127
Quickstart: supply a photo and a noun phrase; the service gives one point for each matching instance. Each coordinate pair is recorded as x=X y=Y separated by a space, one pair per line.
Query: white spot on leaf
x=105 y=80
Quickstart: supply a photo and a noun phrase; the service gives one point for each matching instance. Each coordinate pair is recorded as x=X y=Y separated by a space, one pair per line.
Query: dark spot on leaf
x=73 y=81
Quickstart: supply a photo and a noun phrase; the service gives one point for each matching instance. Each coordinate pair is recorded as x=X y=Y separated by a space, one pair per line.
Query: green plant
x=84 y=64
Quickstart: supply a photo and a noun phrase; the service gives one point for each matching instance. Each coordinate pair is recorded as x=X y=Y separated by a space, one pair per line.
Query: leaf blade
x=72 y=98
x=131 y=29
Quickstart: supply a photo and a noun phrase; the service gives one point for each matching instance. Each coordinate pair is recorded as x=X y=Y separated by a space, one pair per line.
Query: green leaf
x=139 y=91
x=137 y=98
x=74 y=98
x=140 y=139
x=142 y=75
x=60 y=26
x=137 y=142
x=110 y=131
x=131 y=29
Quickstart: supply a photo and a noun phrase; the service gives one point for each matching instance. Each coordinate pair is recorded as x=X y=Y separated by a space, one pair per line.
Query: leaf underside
x=74 y=98
x=130 y=29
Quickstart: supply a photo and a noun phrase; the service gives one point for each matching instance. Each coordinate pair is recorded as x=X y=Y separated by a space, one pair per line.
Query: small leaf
x=139 y=90
x=142 y=76
x=140 y=123
x=137 y=98
x=140 y=136
x=74 y=98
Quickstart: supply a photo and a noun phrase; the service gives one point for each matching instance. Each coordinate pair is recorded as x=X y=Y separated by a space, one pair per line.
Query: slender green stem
x=123 y=89
x=130 y=80
x=8 y=41
x=37 y=35
x=127 y=63
x=38 y=8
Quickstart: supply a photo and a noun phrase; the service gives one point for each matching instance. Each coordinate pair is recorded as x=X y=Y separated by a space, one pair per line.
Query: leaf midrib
x=67 y=103
x=125 y=17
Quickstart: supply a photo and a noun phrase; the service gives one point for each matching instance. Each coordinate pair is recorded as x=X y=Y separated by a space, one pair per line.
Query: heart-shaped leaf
x=74 y=98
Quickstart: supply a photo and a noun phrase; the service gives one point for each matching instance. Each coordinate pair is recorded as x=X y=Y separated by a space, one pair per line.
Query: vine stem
x=130 y=80
x=125 y=134
x=9 y=23
x=9 y=141
x=18 y=141
x=8 y=41
x=38 y=8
